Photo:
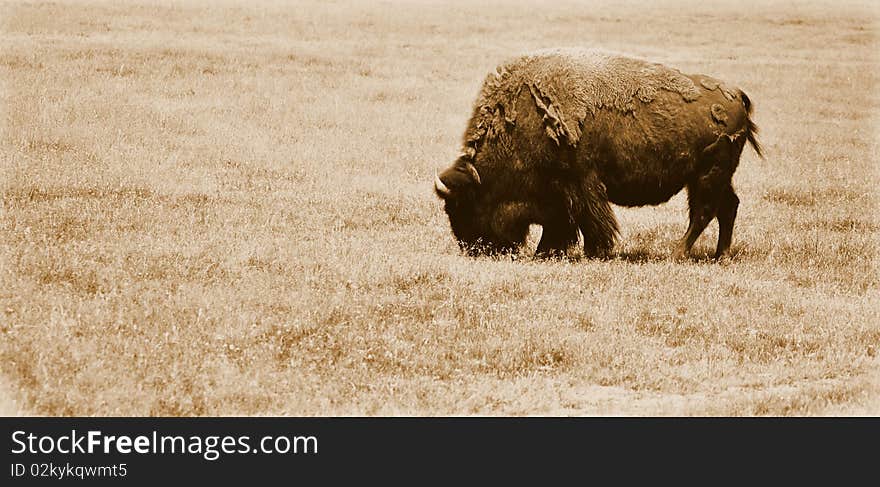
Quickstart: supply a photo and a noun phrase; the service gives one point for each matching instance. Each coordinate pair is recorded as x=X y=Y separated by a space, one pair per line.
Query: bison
x=557 y=135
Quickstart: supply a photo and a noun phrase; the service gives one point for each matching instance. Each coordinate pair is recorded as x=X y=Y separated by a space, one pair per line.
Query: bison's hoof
x=723 y=256
x=679 y=255
x=552 y=255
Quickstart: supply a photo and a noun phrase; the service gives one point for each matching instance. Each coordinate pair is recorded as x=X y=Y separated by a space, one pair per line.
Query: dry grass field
x=226 y=209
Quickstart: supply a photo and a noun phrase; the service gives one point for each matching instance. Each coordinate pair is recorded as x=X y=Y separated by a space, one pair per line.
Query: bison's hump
x=568 y=84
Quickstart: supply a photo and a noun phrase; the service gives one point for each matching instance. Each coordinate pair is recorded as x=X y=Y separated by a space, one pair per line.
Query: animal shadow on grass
x=640 y=255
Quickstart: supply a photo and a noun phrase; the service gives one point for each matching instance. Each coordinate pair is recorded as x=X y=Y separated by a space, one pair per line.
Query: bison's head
x=472 y=214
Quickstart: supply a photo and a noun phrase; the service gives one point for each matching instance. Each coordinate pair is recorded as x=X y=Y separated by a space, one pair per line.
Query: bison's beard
x=475 y=242
x=471 y=234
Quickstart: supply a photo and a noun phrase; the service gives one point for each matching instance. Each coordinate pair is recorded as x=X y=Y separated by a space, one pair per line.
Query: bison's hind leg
x=726 y=215
x=711 y=195
x=702 y=206
x=596 y=220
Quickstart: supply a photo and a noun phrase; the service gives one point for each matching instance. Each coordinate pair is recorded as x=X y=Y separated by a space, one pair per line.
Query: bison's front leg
x=557 y=236
x=596 y=219
x=510 y=226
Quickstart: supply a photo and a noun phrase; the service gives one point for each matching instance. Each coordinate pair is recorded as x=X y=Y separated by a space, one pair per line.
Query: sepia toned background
x=226 y=208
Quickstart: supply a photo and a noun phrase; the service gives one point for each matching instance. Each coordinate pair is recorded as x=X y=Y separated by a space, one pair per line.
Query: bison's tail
x=751 y=128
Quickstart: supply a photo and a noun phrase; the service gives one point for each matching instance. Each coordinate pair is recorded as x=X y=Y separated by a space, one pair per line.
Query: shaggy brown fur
x=557 y=135
x=569 y=84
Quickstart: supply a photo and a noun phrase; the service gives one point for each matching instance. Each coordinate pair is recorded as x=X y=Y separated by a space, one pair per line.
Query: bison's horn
x=471 y=169
x=440 y=188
